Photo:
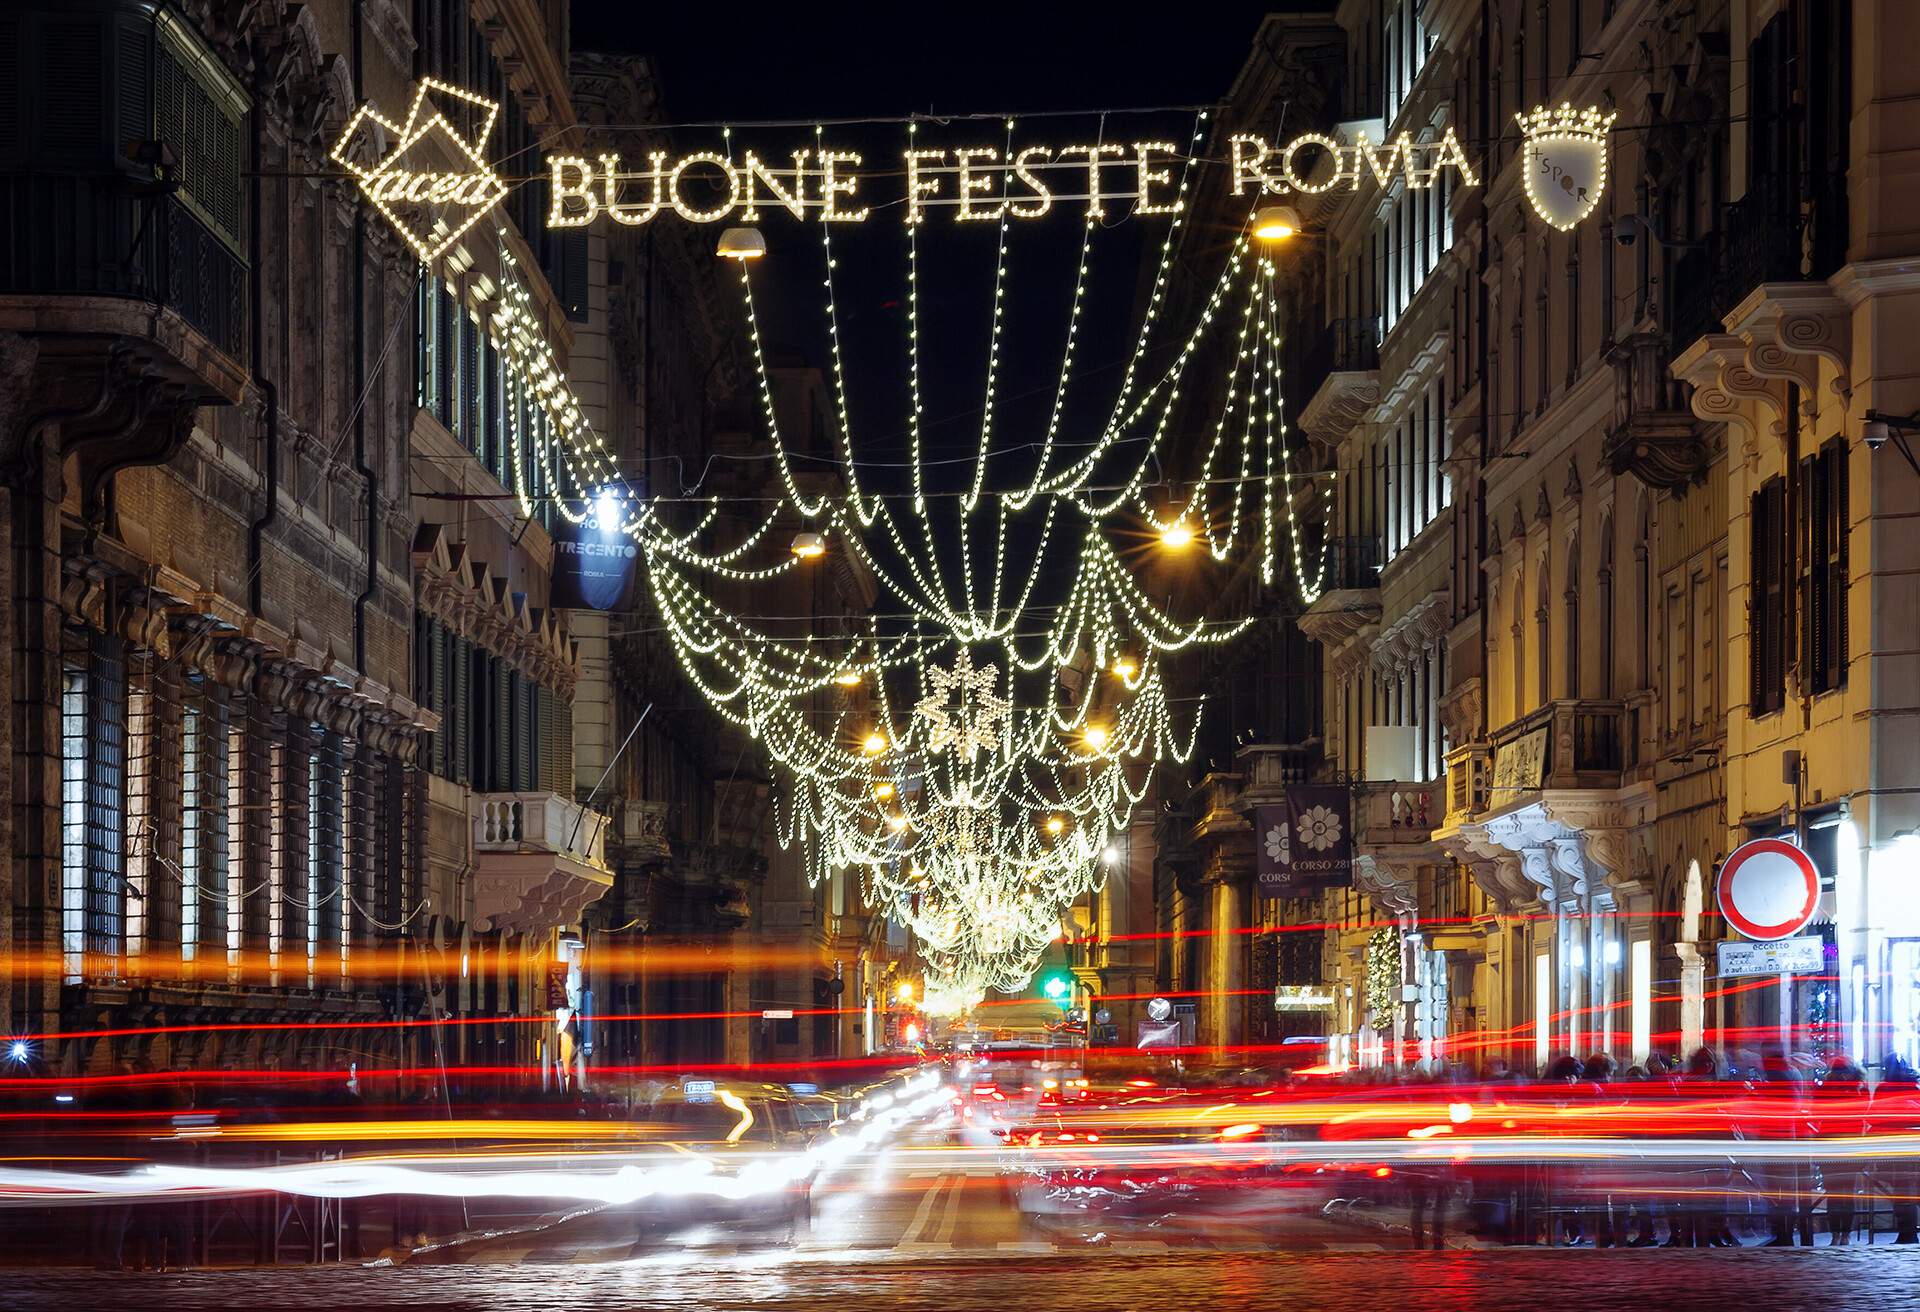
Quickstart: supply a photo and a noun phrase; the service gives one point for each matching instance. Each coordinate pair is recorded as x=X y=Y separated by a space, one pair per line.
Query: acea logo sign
x=428 y=177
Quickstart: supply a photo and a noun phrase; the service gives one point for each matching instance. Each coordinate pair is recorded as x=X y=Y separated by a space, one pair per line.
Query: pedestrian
x=1596 y=1183
x=1702 y=1216
x=1896 y=1105
x=1780 y=1116
x=1840 y=1107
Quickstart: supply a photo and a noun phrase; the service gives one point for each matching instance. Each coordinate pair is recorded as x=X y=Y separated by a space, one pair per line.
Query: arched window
x=1606 y=607
x=1519 y=646
x=1542 y=620
x=1572 y=595
x=1643 y=592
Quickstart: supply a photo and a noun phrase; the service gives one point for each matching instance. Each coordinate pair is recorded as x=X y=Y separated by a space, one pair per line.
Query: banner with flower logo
x=1306 y=843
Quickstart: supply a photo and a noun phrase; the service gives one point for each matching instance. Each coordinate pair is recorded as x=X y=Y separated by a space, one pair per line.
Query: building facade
x=1610 y=575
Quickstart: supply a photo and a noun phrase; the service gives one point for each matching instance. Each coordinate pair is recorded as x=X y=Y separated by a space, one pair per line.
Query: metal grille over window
x=92 y=819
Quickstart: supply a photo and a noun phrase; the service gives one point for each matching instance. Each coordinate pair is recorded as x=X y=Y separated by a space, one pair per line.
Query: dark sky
x=726 y=64
x=742 y=62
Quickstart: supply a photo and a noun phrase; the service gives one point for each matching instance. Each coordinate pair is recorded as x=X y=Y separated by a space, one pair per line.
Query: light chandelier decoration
x=975 y=749
x=972 y=748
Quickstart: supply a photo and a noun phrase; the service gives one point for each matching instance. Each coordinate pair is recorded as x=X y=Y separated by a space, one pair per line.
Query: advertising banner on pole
x=1304 y=844
x=592 y=565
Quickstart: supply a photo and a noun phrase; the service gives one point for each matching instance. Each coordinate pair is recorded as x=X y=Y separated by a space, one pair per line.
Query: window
x=426 y=366
x=237 y=863
x=1543 y=618
x=191 y=763
x=141 y=856
x=92 y=819
x=199 y=112
x=279 y=835
x=1572 y=596
x=1767 y=600
x=1823 y=573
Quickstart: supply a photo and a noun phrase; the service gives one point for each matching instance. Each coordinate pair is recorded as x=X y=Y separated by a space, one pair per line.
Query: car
x=741 y=1129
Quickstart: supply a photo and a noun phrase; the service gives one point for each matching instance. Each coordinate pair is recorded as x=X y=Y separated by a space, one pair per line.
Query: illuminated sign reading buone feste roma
x=434 y=183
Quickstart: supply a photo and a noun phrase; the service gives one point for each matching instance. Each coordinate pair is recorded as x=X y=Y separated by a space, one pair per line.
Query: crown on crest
x=1565 y=121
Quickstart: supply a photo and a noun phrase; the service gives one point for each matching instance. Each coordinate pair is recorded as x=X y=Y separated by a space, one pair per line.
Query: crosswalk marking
x=917 y=1227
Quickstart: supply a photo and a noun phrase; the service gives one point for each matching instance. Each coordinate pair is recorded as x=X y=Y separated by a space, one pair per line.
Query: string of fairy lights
x=973 y=762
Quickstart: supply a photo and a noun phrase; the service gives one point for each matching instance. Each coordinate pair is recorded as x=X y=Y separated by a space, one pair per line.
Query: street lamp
x=1176 y=536
x=808 y=546
x=1276 y=222
x=741 y=244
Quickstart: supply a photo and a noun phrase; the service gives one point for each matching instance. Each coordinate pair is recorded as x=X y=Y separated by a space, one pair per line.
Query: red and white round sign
x=1768 y=889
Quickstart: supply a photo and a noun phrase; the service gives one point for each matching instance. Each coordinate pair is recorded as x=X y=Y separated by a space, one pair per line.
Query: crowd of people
x=1711 y=1190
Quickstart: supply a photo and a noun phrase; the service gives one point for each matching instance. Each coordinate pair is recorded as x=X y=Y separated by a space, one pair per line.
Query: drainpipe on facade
x=1482 y=261
x=360 y=465
x=270 y=393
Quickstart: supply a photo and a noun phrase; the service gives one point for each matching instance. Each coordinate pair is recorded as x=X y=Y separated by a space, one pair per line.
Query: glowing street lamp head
x=606 y=509
x=883 y=790
x=809 y=546
x=1096 y=737
x=741 y=244
x=1276 y=222
x=874 y=743
x=1176 y=536
x=897 y=823
x=848 y=678
x=905 y=991
x=1124 y=667
x=1055 y=824
x=18 y=1051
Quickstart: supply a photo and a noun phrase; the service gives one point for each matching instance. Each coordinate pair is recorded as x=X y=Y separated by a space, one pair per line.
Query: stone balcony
x=539 y=861
x=1546 y=810
x=1393 y=825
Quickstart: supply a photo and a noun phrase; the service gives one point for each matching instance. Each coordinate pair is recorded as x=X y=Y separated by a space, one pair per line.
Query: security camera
x=1875 y=434
x=1625 y=234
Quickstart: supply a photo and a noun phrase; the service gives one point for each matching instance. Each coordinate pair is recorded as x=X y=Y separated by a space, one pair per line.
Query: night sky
x=1038 y=59
x=843 y=61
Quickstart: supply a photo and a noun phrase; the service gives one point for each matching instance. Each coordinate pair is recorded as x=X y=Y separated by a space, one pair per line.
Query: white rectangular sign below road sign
x=1783 y=956
x=777 y=1013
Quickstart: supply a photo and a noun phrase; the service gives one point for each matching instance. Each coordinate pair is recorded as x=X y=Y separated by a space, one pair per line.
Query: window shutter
x=1840 y=516
x=546 y=726
x=506 y=718
x=443 y=353
x=1807 y=568
x=459 y=694
x=71 y=95
x=1777 y=614
x=470 y=383
x=437 y=694
x=1755 y=604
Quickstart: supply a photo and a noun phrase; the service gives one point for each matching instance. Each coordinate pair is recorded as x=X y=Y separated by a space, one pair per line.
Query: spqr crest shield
x=1565 y=162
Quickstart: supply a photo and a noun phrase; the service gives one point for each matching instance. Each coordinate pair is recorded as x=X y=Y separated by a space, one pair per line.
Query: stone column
x=1228 y=894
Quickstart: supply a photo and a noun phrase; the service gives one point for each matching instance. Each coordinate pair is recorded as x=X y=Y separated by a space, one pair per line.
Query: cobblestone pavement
x=1829 y=1280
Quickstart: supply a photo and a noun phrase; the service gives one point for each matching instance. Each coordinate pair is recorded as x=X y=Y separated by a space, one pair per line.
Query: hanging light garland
x=970 y=760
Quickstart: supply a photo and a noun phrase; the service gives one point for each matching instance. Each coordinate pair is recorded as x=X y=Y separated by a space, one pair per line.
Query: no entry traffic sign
x=1768 y=889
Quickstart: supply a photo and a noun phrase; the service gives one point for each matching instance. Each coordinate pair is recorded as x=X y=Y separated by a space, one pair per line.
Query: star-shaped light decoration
x=969 y=727
x=432 y=207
